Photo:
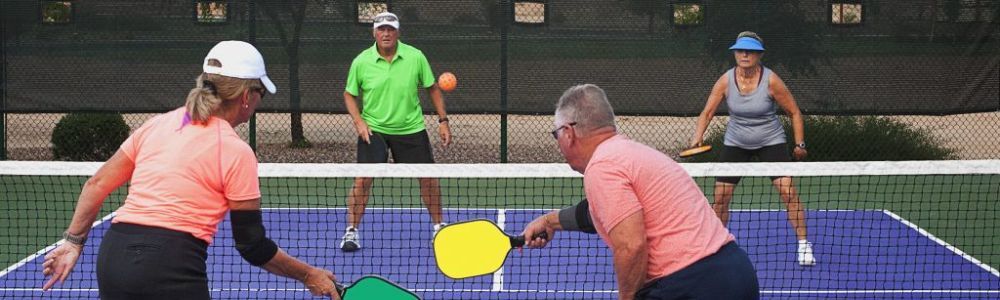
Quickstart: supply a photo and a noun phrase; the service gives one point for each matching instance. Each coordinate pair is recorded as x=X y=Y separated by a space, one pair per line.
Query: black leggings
x=142 y=262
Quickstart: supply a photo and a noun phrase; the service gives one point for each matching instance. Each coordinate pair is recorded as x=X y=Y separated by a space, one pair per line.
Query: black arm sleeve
x=577 y=218
x=251 y=240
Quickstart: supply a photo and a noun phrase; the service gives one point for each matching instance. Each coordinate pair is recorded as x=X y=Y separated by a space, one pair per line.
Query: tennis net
x=924 y=229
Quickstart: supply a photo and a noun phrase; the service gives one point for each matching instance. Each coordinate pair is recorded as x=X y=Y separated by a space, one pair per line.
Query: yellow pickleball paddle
x=473 y=248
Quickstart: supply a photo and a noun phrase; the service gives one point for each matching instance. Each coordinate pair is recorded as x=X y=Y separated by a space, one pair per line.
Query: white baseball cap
x=239 y=60
x=386 y=18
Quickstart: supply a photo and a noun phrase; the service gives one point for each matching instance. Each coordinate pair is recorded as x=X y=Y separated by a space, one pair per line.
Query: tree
x=649 y=8
x=996 y=11
x=491 y=11
x=952 y=9
x=286 y=17
x=688 y=14
x=791 y=40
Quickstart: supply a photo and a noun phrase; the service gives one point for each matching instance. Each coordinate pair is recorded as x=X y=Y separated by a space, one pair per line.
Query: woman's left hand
x=60 y=262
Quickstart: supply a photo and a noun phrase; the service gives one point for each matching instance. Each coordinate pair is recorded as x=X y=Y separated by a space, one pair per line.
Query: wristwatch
x=443 y=120
x=801 y=145
x=75 y=239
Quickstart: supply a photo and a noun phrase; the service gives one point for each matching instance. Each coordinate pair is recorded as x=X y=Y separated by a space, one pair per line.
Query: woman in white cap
x=753 y=92
x=187 y=168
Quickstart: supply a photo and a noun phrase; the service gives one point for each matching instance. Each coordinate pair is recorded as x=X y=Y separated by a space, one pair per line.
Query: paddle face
x=471 y=248
x=695 y=151
x=375 y=287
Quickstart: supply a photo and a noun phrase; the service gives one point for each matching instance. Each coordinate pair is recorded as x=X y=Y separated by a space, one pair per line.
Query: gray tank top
x=752 y=120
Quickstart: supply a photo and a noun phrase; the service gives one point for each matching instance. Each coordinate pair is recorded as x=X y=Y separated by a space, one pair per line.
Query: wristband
x=75 y=239
x=443 y=120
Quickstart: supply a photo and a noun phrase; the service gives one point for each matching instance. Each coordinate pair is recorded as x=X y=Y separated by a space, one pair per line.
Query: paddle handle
x=340 y=288
x=518 y=241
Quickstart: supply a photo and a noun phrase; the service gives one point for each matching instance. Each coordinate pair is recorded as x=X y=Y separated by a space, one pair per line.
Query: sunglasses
x=555 y=133
x=386 y=18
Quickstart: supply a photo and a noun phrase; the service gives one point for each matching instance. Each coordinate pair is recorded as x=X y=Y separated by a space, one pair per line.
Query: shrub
x=88 y=136
x=852 y=138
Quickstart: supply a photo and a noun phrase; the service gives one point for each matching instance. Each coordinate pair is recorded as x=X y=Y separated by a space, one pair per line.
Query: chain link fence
x=476 y=138
x=931 y=65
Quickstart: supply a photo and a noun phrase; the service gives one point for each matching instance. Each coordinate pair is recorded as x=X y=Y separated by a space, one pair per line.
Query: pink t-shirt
x=185 y=174
x=625 y=177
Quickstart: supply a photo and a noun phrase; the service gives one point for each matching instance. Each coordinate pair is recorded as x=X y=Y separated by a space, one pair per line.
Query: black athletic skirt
x=142 y=262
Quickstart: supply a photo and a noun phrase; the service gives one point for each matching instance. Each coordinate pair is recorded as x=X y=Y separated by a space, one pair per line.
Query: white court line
x=498 y=275
x=410 y=208
x=50 y=290
x=881 y=292
x=943 y=243
x=28 y=259
x=564 y=291
x=548 y=170
x=544 y=209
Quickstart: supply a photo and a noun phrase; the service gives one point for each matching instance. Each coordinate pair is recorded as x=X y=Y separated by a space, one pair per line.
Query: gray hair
x=588 y=106
x=750 y=34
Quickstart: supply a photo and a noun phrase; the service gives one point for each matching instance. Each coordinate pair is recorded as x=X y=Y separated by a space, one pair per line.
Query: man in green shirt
x=387 y=76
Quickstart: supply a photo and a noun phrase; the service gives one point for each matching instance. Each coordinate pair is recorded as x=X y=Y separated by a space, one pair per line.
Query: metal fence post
x=505 y=13
x=3 y=91
x=252 y=39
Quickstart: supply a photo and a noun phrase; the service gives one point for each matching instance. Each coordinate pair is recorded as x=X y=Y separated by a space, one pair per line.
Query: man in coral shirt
x=665 y=238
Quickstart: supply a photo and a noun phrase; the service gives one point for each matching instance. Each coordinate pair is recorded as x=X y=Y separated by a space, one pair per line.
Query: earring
x=246 y=98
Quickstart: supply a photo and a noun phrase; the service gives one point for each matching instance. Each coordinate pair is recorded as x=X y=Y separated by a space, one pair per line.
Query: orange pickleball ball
x=447 y=81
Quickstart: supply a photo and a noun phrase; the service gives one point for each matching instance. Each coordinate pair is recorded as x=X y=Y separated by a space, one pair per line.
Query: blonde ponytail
x=203 y=101
x=213 y=93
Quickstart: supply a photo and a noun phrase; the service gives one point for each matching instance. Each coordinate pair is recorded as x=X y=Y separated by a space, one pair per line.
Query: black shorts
x=773 y=153
x=142 y=262
x=414 y=148
x=727 y=274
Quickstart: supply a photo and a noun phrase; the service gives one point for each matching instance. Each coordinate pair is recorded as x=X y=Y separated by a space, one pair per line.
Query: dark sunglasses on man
x=555 y=133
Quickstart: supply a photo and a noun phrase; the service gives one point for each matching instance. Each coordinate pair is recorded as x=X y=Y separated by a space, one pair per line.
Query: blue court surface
x=861 y=254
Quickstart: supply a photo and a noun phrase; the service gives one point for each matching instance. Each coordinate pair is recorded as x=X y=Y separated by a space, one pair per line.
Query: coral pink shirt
x=625 y=177
x=184 y=174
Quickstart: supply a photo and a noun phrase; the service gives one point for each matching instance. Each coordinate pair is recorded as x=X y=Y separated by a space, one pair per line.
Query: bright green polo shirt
x=390 y=103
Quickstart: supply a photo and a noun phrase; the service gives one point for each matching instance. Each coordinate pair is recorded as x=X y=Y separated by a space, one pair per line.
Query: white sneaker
x=350 y=242
x=806 y=257
x=438 y=226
